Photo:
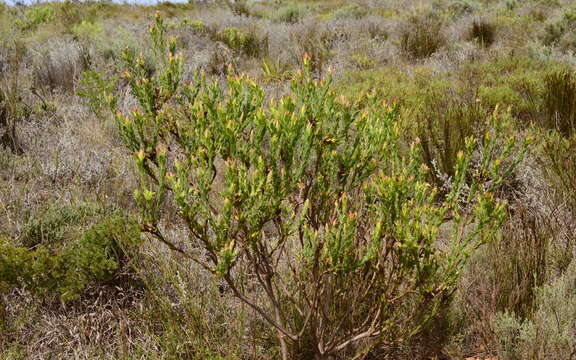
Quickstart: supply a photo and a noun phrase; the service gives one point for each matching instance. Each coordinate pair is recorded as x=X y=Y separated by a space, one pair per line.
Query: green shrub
x=247 y=42
x=92 y=256
x=464 y=6
x=553 y=32
x=421 y=36
x=54 y=225
x=92 y=86
x=482 y=31
x=70 y=13
x=376 y=31
x=196 y=26
x=87 y=32
x=362 y=62
x=275 y=70
x=303 y=203
x=290 y=14
x=35 y=16
x=352 y=11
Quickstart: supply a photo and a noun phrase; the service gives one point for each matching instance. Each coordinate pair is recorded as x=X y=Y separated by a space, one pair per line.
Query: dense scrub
x=288 y=179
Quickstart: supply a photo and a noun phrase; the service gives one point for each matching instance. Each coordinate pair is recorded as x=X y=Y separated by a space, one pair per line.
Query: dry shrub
x=560 y=102
x=60 y=66
x=503 y=276
x=9 y=105
x=239 y=7
x=482 y=31
x=309 y=40
x=12 y=108
x=443 y=127
x=421 y=36
x=558 y=163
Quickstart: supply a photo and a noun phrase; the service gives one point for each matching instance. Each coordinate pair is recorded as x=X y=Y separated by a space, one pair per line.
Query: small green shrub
x=245 y=41
x=11 y=111
x=35 y=16
x=91 y=87
x=362 y=62
x=443 y=132
x=87 y=32
x=58 y=69
x=70 y=13
x=482 y=31
x=290 y=14
x=351 y=11
x=460 y=7
x=54 y=225
x=375 y=30
x=553 y=33
x=511 y=4
x=275 y=70
x=93 y=256
x=421 y=36
x=196 y=26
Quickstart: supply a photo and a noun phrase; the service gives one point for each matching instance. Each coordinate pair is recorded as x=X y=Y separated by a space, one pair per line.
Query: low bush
x=92 y=86
x=421 y=36
x=290 y=14
x=34 y=16
x=196 y=26
x=352 y=11
x=362 y=62
x=244 y=41
x=60 y=66
x=10 y=109
x=54 y=266
x=87 y=32
x=55 y=224
x=443 y=129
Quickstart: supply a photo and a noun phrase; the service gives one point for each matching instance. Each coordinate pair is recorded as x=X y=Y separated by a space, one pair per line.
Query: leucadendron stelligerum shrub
x=308 y=202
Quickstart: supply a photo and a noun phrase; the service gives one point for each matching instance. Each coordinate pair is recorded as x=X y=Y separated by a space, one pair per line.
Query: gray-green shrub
x=549 y=332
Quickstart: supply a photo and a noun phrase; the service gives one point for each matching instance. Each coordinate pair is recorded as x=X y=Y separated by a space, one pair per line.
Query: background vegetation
x=448 y=125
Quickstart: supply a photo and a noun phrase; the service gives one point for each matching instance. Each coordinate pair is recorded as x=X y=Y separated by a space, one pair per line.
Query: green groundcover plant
x=309 y=208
